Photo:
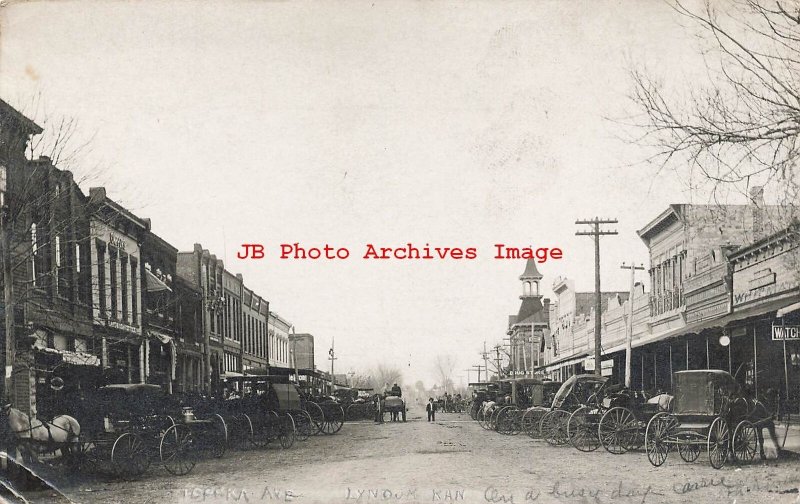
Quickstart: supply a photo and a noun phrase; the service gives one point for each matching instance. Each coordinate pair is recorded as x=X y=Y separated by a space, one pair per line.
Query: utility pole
x=497 y=358
x=629 y=336
x=332 y=357
x=596 y=233
x=485 y=362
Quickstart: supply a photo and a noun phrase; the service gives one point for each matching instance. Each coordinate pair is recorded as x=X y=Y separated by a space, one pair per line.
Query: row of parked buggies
x=127 y=428
x=708 y=412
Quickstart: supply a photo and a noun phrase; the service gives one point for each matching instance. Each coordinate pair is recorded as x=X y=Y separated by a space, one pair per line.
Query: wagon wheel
x=718 y=442
x=305 y=427
x=87 y=455
x=502 y=420
x=177 y=450
x=516 y=421
x=129 y=456
x=660 y=431
x=618 y=430
x=582 y=429
x=554 y=427
x=243 y=431
x=687 y=449
x=217 y=437
x=745 y=442
x=264 y=428
x=287 y=432
x=317 y=416
x=530 y=422
x=334 y=419
x=492 y=424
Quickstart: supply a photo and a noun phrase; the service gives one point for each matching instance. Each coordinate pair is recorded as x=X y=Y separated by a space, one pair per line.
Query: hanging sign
x=785 y=332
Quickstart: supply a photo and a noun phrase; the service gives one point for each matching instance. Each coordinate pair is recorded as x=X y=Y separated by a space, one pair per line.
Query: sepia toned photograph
x=400 y=251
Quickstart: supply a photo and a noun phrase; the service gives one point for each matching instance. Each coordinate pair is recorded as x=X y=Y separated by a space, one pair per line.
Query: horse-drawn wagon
x=129 y=426
x=709 y=411
x=527 y=396
x=576 y=392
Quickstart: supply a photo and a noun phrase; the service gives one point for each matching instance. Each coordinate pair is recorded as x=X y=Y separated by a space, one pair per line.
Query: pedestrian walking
x=431 y=409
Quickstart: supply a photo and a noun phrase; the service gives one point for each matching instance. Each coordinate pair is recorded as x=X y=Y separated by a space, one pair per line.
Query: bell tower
x=530 y=279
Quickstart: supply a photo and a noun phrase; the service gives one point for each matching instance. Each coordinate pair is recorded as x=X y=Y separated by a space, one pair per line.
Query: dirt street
x=451 y=460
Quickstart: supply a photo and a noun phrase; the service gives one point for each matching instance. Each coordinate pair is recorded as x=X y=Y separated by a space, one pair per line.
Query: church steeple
x=530 y=280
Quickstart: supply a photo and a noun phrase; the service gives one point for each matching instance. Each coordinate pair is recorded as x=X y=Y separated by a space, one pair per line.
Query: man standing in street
x=431 y=409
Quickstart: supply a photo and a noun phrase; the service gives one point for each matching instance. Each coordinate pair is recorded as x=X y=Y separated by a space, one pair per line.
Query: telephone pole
x=596 y=233
x=332 y=358
x=629 y=336
x=485 y=361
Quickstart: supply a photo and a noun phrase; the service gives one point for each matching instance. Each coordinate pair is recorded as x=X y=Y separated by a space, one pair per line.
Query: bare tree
x=443 y=367
x=385 y=375
x=739 y=128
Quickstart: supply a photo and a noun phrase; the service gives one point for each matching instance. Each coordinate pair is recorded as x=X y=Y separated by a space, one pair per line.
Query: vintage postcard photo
x=400 y=251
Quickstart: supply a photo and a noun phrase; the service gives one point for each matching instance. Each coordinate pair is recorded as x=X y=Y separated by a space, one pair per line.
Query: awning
x=698 y=327
x=73 y=358
x=786 y=310
x=163 y=338
x=153 y=283
x=566 y=361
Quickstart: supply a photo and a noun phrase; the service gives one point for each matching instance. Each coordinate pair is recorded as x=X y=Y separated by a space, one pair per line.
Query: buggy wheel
x=244 y=431
x=688 y=451
x=217 y=441
x=334 y=419
x=745 y=442
x=129 y=456
x=177 y=450
x=286 y=435
x=264 y=428
x=503 y=420
x=530 y=422
x=718 y=442
x=582 y=429
x=659 y=432
x=618 y=430
x=87 y=456
x=317 y=416
x=554 y=427
x=304 y=425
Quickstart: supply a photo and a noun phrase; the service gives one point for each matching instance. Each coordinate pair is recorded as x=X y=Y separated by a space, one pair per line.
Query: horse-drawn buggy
x=576 y=392
x=126 y=427
x=263 y=410
x=362 y=407
x=526 y=395
x=709 y=411
x=327 y=414
x=615 y=417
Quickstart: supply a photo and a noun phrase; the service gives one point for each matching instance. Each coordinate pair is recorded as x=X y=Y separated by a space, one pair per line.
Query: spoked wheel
x=688 y=449
x=243 y=429
x=504 y=420
x=217 y=437
x=582 y=429
x=719 y=438
x=554 y=427
x=286 y=435
x=334 y=419
x=264 y=428
x=482 y=418
x=87 y=456
x=660 y=431
x=317 y=416
x=492 y=424
x=618 y=430
x=531 y=420
x=745 y=442
x=129 y=456
x=177 y=450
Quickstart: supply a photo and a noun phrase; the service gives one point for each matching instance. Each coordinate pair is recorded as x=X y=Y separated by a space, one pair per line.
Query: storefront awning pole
x=670 y=366
x=755 y=361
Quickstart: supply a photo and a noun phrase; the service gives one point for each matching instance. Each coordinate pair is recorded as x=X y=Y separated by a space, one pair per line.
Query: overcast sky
x=454 y=124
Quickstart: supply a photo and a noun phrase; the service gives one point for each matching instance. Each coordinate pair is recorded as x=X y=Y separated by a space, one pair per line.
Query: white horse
x=61 y=433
